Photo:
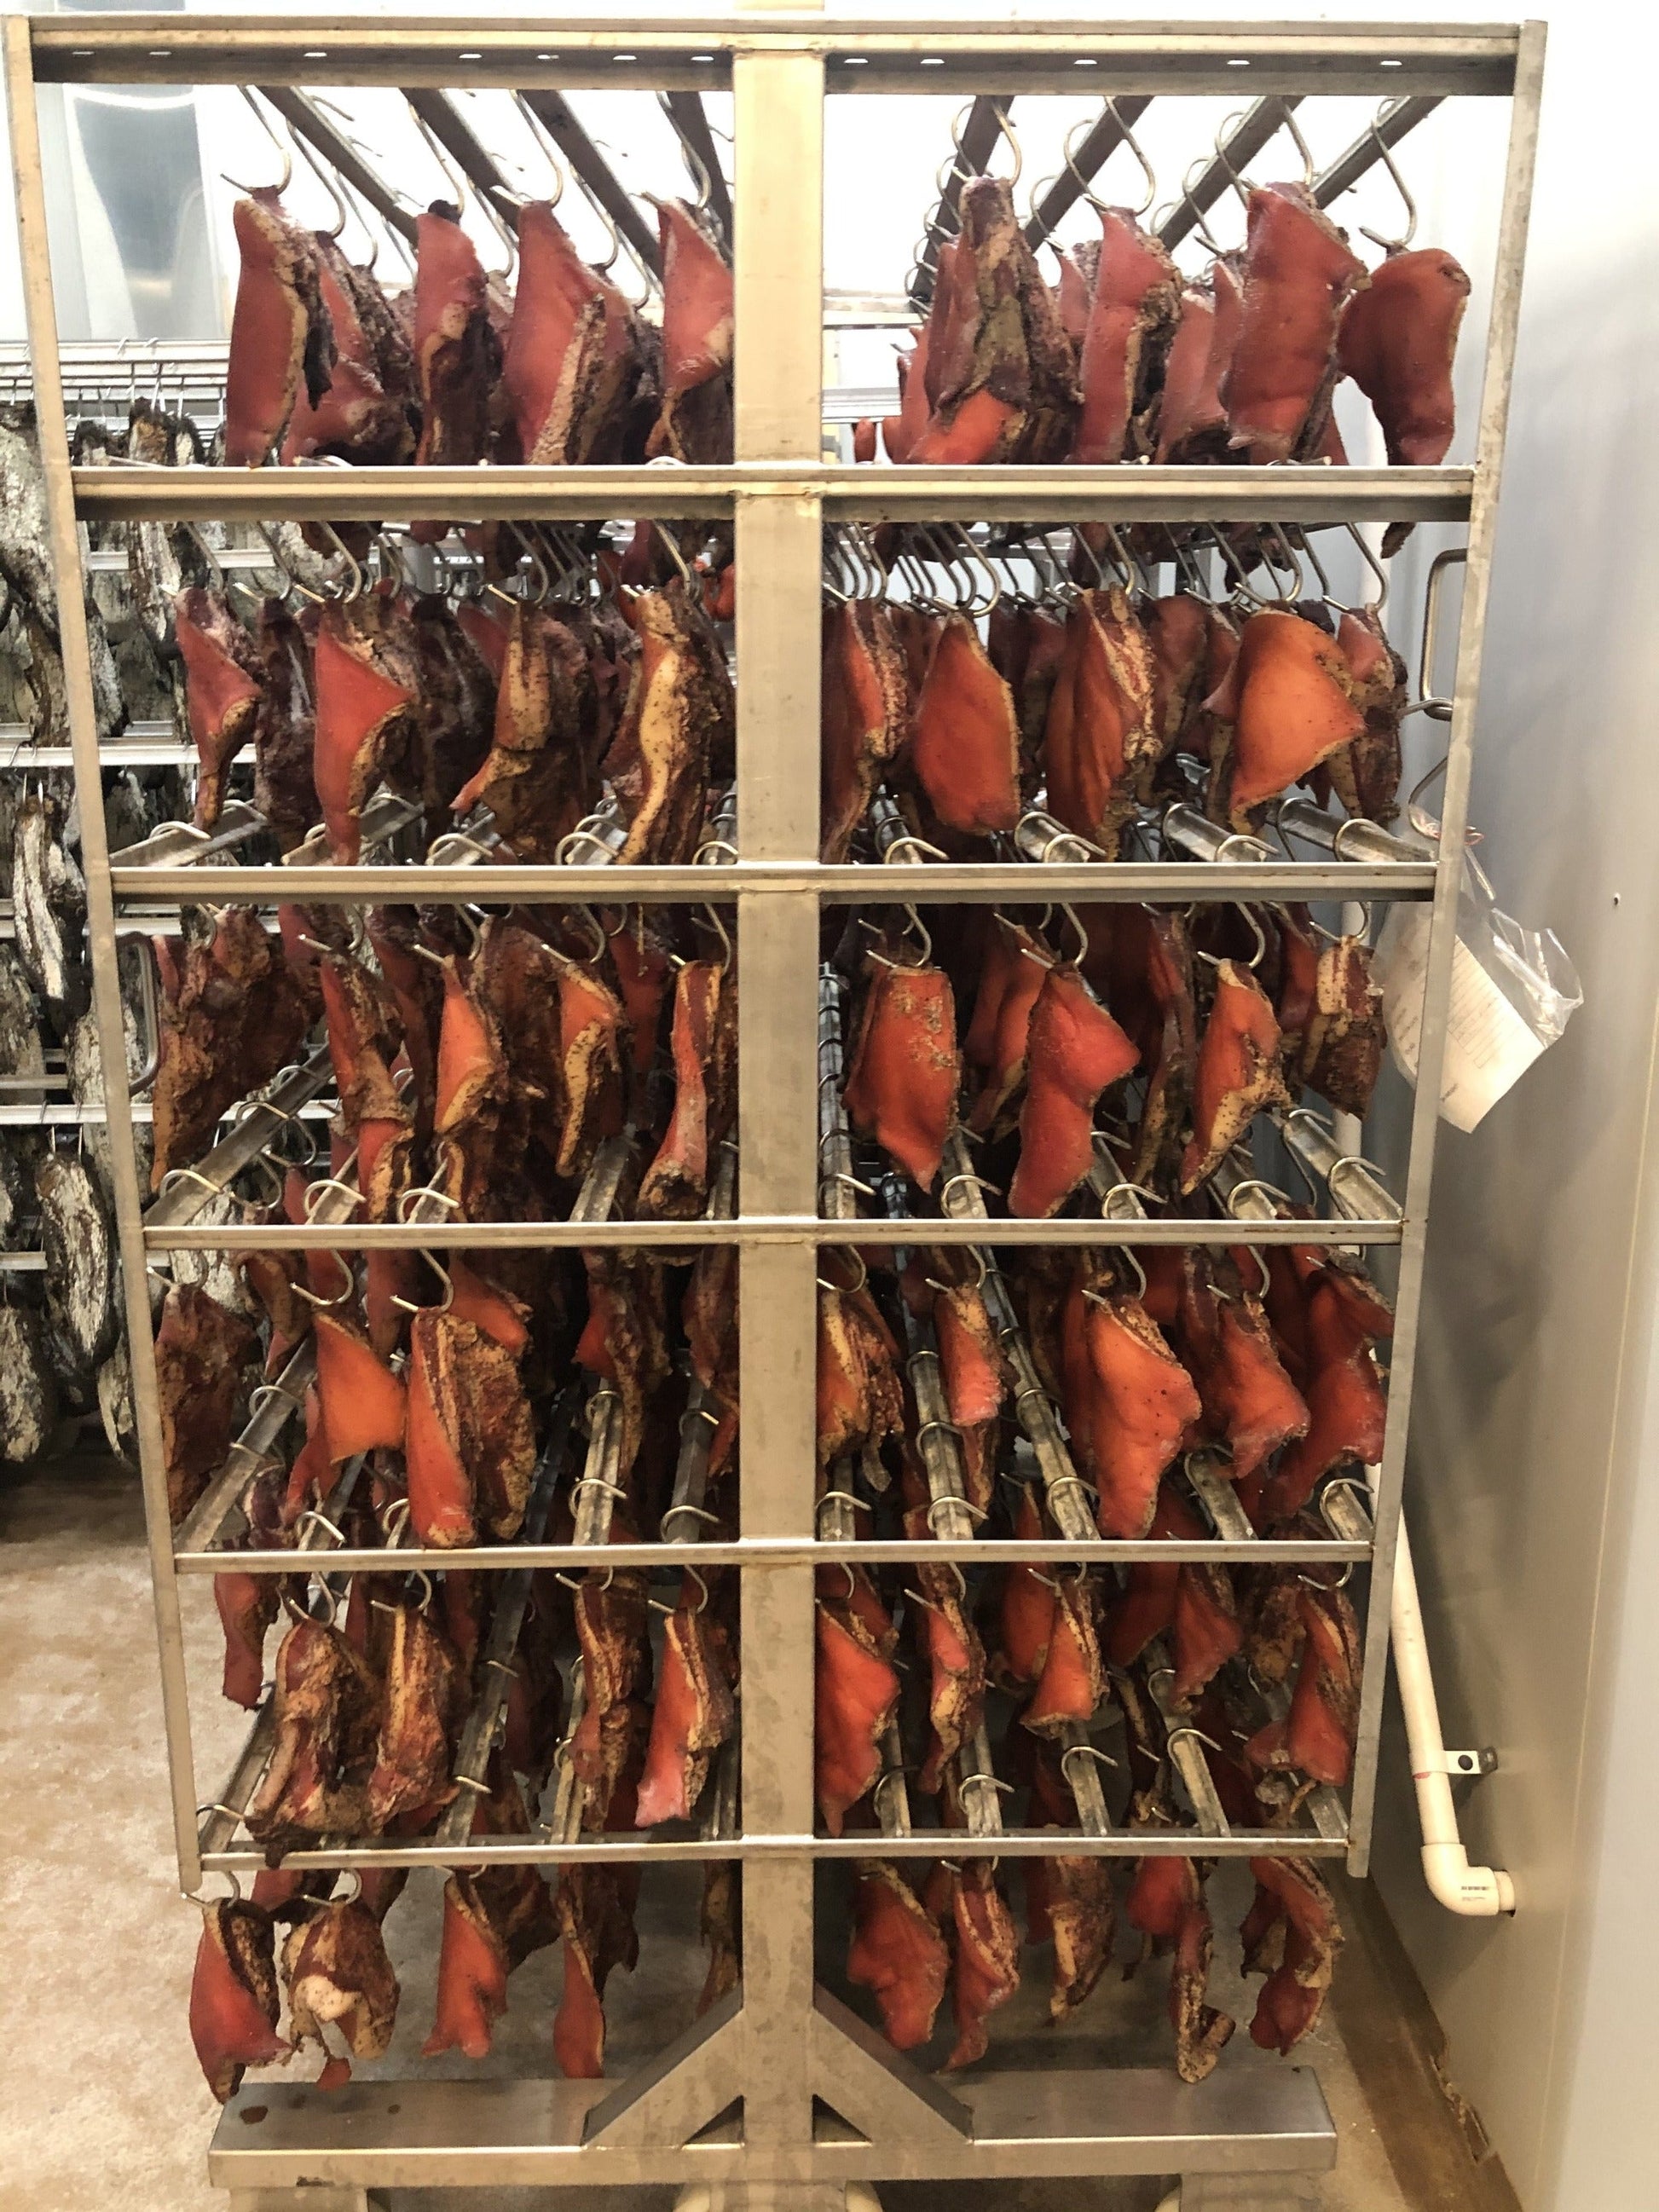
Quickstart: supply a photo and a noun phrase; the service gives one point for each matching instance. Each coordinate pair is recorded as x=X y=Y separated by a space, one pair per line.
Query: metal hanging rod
x=960 y=1228
x=1366 y=150
x=1093 y=151
x=766 y=1552
x=1261 y=121
x=686 y=111
x=559 y=119
x=303 y=115
x=1155 y=883
x=444 y=120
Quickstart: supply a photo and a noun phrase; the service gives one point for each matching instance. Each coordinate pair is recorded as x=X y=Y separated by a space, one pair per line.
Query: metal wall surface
x=1537 y=1409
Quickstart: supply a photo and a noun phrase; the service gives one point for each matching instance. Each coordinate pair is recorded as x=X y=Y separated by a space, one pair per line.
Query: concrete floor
x=107 y=2107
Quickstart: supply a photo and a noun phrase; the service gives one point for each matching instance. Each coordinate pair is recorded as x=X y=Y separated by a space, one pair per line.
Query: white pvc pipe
x=1475 y=1892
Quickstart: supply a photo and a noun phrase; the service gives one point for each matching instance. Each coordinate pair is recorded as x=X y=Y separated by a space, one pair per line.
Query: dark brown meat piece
x=678 y=728
x=205 y=1365
x=232 y=1014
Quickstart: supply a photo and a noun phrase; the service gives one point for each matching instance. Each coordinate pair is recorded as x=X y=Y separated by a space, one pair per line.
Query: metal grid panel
x=780 y=67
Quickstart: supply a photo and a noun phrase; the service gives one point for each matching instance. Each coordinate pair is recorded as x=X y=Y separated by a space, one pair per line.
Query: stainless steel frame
x=781 y=2044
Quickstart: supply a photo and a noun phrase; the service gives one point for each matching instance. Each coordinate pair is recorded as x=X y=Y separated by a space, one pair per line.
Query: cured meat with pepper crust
x=232 y=1013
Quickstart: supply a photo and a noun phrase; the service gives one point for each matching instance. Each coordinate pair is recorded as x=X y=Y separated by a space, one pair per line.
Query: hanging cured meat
x=327 y=1703
x=368 y=684
x=425 y=1693
x=231 y=1015
x=985 y=1945
x=966 y=746
x=471 y=1447
x=1100 y=743
x=1327 y=1315
x=364 y=1037
x=1342 y=1046
x=367 y=415
x=1238 y=1071
x=594 y=1906
x=1133 y=309
x=1166 y=1901
x=1072 y=1683
x=898 y=1952
x=280 y=334
x=541 y=774
x=247 y=1608
x=1398 y=340
x=1365 y=774
x=493 y=1922
x=222 y=687
x=1291 y=1934
x=576 y=367
x=906 y=1069
x=1250 y=1404
x=695 y=422
x=339 y=1974
x=235 y=2002
x=608 y=1747
x=472 y=1097
x=1316 y=1739
x=866 y=716
x=205 y=1365
x=1192 y=422
x=284 y=726
x=363 y=1406
x=856 y=1691
x=1287 y=705
x=1189 y=1601
x=1140 y=958
x=1069 y=1900
x=677 y=729
x=1001 y=371
x=704 y=1045
x=1127 y=1400
x=1074 y=1050
x=1013 y=966
x=626 y=1340
x=1298 y=274
x=861 y=1400
x=457 y=356
x=694 y=1712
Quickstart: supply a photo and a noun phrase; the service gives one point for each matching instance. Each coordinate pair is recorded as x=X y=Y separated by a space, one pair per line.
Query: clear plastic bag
x=1514 y=990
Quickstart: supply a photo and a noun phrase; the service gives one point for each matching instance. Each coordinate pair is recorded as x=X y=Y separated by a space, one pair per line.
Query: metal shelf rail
x=822 y=2100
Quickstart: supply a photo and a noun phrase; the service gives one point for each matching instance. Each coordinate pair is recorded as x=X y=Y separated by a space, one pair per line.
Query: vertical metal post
x=778 y=121
x=1437 y=993
x=52 y=429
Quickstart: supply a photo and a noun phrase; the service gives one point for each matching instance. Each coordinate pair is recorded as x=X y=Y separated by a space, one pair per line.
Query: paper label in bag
x=1488 y=1045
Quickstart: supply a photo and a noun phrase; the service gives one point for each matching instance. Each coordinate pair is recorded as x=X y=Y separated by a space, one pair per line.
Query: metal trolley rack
x=822 y=2101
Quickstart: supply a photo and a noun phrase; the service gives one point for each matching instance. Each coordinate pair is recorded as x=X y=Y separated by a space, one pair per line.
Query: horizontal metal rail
x=1123 y=491
x=804 y=1551
x=1169 y=883
x=945 y=56
x=921 y=1844
x=747 y=1229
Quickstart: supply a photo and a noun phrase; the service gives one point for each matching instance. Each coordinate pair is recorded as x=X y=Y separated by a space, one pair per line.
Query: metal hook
x=847 y=1290
x=410 y=1306
x=287 y=160
x=719 y=929
x=1129 y=139
x=1391 y=245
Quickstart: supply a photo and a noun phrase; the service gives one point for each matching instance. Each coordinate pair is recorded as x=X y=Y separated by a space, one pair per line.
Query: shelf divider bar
x=778 y=264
